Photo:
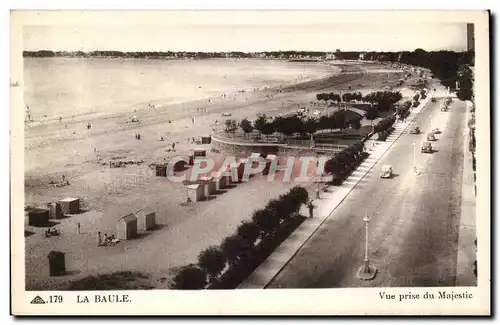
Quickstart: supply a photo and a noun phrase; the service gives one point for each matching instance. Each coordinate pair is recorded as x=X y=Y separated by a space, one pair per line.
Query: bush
x=212 y=261
x=266 y=221
x=384 y=124
x=344 y=162
x=189 y=277
x=248 y=231
x=235 y=248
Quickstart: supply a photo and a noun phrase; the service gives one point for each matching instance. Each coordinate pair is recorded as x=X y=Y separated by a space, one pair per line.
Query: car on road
x=426 y=147
x=436 y=131
x=415 y=130
x=444 y=108
x=431 y=137
x=448 y=101
x=386 y=171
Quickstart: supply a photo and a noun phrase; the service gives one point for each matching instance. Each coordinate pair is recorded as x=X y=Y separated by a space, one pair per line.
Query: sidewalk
x=330 y=199
x=467 y=233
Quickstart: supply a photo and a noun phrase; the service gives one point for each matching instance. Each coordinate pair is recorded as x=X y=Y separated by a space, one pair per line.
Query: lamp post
x=365 y=271
x=414 y=157
x=366 y=219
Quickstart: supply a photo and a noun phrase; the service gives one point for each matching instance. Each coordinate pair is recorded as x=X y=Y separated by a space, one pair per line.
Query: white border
x=297 y=302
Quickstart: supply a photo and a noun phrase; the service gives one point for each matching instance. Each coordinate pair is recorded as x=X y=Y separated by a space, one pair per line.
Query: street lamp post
x=366 y=272
x=366 y=219
x=414 y=157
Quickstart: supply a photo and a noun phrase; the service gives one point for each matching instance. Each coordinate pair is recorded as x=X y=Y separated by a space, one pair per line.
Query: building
x=195 y=192
x=330 y=56
x=70 y=205
x=55 y=210
x=146 y=219
x=126 y=227
x=57 y=263
x=38 y=217
x=470 y=37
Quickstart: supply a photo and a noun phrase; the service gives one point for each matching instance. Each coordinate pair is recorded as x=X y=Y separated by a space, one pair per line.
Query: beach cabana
x=195 y=192
x=126 y=227
x=208 y=185
x=206 y=140
x=38 y=217
x=70 y=205
x=161 y=170
x=199 y=152
x=221 y=181
x=57 y=263
x=55 y=210
x=146 y=219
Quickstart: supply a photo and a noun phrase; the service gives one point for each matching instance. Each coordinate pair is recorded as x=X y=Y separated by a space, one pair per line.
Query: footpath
x=467 y=232
x=330 y=198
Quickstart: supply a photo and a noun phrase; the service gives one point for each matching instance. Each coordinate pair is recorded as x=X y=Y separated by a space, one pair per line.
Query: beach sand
x=53 y=149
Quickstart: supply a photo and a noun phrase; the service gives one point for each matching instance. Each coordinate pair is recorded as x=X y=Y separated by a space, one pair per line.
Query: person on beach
x=78 y=225
x=105 y=239
x=173 y=146
x=138 y=136
x=60 y=119
x=99 y=238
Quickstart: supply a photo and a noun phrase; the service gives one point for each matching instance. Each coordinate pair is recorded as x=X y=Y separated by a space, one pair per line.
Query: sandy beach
x=82 y=155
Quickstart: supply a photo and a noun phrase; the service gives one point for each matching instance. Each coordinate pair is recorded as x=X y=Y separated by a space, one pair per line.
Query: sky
x=246 y=36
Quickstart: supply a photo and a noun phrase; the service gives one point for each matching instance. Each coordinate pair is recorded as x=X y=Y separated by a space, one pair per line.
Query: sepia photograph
x=167 y=154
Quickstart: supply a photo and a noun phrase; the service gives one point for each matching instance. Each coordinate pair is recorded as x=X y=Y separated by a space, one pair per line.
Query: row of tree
x=383 y=99
x=238 y=248
x=347 y=97
x=403 y=110
x=292 y=124
x=384 y=124
x=345 y=161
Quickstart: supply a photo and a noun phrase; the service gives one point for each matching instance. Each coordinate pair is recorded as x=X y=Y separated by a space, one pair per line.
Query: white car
x=435 y=131
x=386 y=171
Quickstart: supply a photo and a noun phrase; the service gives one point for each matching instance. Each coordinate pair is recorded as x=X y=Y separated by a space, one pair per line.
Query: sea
x=70 y=87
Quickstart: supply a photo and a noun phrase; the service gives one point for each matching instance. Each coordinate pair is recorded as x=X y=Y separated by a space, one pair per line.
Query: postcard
x=250 y=162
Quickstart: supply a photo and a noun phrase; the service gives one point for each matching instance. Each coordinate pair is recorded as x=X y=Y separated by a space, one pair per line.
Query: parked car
x=426 y=147
x=226 y=114
x=415 y=130
x=448 y=100
x=433 y=99
x=444 y=108
x=431 y=137
x=386 y=171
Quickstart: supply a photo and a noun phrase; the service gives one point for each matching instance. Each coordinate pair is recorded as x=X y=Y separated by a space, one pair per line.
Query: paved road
x=414 y=218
